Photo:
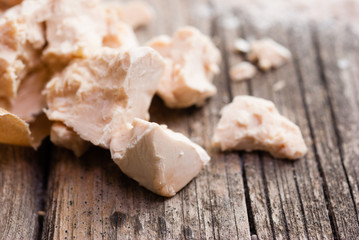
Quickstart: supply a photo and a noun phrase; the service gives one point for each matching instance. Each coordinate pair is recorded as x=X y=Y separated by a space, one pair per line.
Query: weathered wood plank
x=343 y=64
x=225 y=182
x=299 y=182
x=302 y=198
x=318 y=104
x=21 y=187
x=90 y=198
x=294 y=189
x=341 y=72
x=251 y=163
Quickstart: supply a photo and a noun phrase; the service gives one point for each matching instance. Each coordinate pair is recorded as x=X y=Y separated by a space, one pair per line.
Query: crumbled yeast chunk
x=21 y=42
x=29 y=101
x=268 y=53
x=191 y=61
x=241 y=45
x=159 y=159
x=134 y=13
x=74 y=29
x=242 y=71
x=119 y=34
x=101 y=95
x=63 y=136
x=251 y=123
x=24 y=122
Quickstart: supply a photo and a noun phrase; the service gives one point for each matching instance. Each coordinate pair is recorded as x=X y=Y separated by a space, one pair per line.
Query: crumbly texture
x=74 y=29
x=191 y=62
x=159 y=159
x=21 y=41
x=29 y=102
x=98 y=96
x=63 y=136
x=134 y=13
x=119 y=34
x=242 y=71
x=268 y=54
x=251 y=123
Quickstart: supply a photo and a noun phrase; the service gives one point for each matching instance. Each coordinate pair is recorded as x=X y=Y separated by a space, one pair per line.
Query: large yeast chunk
x=74 y=29
x=251 y=123
x=159 y=159
x=21 y=41
x=191 y=60
x=102 y=94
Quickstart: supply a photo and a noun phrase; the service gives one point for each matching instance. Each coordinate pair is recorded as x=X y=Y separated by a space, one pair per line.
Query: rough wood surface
x=238 y=195
x=323 y=129
x=287 y=201
x=21 y=178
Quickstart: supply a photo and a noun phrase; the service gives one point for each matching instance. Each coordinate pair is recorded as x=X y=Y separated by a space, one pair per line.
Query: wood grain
x=21 y=191
x=317 y=101
x=238 y=195
x=287 y=201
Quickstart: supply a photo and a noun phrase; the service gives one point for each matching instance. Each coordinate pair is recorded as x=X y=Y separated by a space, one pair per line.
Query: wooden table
x=50 y=194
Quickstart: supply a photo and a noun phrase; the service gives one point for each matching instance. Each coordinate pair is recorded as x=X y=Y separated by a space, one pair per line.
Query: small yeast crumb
x=268 y=54
x=242 y=71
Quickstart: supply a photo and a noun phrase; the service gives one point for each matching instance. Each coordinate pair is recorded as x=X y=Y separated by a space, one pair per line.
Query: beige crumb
x=41 y=213
x=251 y=123
x=242 y=71
x=279 y=85
x=241 y=45
x=191 y=62
x=268 y=54
x=159 y=159
x=63 y=136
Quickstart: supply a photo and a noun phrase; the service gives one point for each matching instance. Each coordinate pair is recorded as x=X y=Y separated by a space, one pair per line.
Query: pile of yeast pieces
x=75 y=71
